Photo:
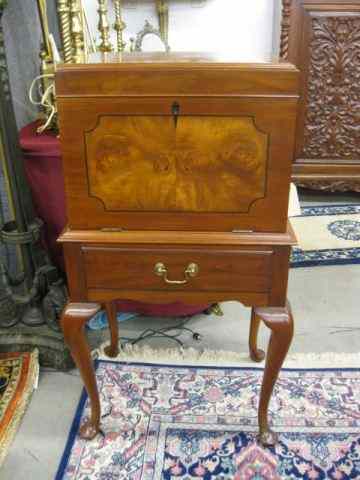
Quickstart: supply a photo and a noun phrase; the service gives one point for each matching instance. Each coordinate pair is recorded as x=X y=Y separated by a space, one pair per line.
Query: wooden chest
x=177 y=171
x=177 y=145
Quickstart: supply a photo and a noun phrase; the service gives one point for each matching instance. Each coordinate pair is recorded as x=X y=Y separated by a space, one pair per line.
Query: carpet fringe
x=13 y=426
x=192 y=356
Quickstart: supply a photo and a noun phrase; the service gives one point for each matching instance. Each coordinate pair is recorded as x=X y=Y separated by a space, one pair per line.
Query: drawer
x=182 y=269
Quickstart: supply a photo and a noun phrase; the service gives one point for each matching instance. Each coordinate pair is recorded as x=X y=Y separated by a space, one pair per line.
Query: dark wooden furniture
x=322 y=38
x=177 y=172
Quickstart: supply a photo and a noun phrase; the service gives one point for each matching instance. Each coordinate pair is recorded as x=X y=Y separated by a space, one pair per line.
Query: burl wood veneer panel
x=197 y=164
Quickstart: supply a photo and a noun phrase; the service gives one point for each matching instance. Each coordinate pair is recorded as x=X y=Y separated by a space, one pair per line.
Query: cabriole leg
x=280 y=322
x=73 y=320
x=256 y=354
x=112 y=350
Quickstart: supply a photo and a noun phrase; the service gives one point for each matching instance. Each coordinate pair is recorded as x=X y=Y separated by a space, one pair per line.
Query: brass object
x=285 y=28
x=163 y=14
x=103 y=26
x=47 y=55
x=147 y=30
x=119 y=26
x=47 y=69
x=65 y=27
x=47 y=61
x=90 y=45
x=26 y=281
x=216 y=310
x=132 y=44
x=191 y=271
x=84 y=27
x=77 y=31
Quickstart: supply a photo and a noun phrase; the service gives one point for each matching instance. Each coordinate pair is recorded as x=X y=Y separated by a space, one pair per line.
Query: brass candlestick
x=46 y=49
x=105 y=45
x=65 y=27
x=90 y=45
x=47 y=61
x=119 y=26
x=47 y=69
x=77 y=31
x=163 y=13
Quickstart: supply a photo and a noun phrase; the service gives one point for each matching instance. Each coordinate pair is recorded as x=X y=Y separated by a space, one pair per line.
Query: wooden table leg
x=280 y=322
x=256 y=354
x=73 y=320
x=112 y=350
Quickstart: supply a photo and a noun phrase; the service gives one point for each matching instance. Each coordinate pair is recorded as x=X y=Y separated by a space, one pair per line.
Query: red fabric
x=43 y=167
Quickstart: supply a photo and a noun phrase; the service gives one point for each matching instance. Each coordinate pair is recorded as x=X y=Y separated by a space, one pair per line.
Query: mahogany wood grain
x=112 y=350
x=217 y=138
x=178 y=160
x=174 y=74
x=280 y=322
x=219 y=270
x=75 y=272
x=256 y=354
x=77 y=281
x=73 y=320
x=210 y=239
x=189 y=298
x=280 y=274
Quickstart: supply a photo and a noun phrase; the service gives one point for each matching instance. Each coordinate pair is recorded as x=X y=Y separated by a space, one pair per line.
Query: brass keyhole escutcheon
x=191 y=271
x=175 y=110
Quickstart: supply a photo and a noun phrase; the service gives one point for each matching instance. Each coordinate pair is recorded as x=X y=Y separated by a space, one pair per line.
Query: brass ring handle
x=191 y=271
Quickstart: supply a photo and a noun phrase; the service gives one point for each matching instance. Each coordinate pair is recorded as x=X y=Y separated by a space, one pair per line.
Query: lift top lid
x=183 y=73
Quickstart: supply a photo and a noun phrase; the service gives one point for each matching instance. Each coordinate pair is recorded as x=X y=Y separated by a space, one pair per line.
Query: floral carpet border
x=326 y=257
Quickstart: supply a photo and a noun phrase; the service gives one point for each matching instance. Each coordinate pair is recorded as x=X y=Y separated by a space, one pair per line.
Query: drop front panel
x=188 y=164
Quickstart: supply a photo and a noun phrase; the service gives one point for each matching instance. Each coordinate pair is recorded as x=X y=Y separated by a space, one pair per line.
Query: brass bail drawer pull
x=191 y=271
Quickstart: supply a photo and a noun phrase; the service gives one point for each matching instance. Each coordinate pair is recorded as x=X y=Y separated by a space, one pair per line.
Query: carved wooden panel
x=330 y=185
x=322 y=38
x=194 y=164
x=332 y=122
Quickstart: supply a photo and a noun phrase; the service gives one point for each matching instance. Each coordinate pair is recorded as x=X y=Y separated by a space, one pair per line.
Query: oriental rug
x=18 y=377
x=168 y=422
x=327 y=235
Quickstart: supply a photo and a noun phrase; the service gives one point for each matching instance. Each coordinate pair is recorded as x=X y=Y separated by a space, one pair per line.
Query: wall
x=249 y=27
x=22 y=40
x=277 y=27
x=22 y=33
x=244 y=26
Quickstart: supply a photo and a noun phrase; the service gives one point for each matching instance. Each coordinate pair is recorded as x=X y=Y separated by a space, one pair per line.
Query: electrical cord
x=46 y=99
x=163 y=333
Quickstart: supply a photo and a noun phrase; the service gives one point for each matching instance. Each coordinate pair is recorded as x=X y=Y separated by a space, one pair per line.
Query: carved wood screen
x=323 y=39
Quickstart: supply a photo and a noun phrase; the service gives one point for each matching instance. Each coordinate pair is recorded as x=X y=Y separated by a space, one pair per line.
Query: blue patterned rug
x=335 y=234
x=172 y=422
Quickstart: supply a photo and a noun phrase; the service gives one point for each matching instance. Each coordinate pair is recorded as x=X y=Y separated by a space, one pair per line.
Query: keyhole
x=176 y=112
